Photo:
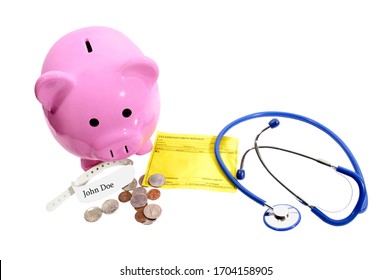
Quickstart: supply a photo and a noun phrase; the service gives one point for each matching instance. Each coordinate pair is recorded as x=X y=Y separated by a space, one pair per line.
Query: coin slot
x=88 y=46
x=111 y=153
x=126 y=149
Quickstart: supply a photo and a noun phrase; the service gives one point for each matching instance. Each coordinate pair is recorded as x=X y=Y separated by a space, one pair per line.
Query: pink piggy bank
x=99 y=95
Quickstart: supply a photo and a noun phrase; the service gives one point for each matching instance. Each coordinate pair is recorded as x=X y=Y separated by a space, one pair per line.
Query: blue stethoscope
x=283 y=217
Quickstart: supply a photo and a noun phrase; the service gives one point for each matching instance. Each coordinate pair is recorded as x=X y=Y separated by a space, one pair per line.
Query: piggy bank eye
x=94 y=122
x=126 y=113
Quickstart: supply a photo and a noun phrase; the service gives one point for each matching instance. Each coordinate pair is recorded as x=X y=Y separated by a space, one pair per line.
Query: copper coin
x=157 y=180
x=93 y=214
x=140 y=208
x=125 y=196
x=152 y=211
x=153 y=194
x=110 y=206
x=141 y=218
x=141 y=179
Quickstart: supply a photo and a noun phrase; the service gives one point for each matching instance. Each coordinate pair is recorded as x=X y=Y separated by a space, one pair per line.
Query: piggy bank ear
x=52 y=87
x=143 y=68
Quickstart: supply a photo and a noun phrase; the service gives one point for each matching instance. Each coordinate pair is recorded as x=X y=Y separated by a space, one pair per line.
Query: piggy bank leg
x=146 y=148
x=87 y=163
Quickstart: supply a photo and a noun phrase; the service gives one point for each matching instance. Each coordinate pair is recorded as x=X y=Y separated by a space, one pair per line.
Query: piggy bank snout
x=117 y=146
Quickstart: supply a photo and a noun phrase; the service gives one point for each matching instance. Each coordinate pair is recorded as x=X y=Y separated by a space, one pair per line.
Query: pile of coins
x=93 y=214
x=138 y=196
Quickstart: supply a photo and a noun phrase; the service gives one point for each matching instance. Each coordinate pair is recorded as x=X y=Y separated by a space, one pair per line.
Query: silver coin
x=152 y=211
x=131 y=186
x=148 y=222
x=110 y=206
x=139 y=190
x=157 y=180
x=139 y=200
x=93 y=214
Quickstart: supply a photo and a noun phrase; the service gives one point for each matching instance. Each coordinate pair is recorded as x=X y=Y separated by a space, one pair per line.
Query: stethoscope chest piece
x=282 y=217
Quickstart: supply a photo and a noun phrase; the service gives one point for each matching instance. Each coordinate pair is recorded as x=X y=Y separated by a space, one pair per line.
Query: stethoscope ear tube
x=357 y=209
x=228 y=174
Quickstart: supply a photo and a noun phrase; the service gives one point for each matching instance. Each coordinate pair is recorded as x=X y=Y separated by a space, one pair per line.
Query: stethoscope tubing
x=362 y=202
x=362 y=199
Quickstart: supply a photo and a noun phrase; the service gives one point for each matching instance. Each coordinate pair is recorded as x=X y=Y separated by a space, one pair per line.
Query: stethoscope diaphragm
x=282 y=217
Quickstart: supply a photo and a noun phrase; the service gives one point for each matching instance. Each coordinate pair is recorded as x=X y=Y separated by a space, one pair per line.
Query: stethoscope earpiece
x=274 y=123
x=240 y=174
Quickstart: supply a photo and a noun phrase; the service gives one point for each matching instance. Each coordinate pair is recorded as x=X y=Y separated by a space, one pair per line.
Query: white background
x=218 y=60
